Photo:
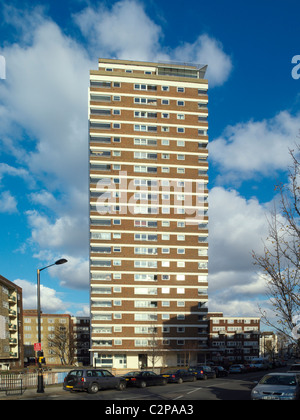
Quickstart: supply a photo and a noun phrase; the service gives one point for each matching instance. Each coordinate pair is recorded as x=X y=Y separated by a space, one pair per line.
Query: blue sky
x=49 y=48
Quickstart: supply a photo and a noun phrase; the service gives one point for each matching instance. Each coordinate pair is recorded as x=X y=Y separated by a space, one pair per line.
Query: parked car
x=220 y=371
x=294 y=368
x=277 y=386
x=249 y=367
x=203 y=372
x=260 y=364
x=236 y=369
x=179 y=376
x=92 y=380
x=144 y=378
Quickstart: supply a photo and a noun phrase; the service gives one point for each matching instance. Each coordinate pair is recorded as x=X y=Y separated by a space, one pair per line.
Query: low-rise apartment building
x=65 y=338
x=233 y=339
x=11 y=335
x=55 y=332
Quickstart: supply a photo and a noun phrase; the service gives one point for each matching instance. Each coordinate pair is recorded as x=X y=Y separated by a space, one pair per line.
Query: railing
x=17 y=383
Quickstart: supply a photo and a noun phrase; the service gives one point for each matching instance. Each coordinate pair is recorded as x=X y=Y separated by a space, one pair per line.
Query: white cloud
x=46 y=91
x=8 y=170
x=236 y=227
x=67 y=233
x=50 y=301
x=207 y=50
x=235 y=307
x=123 y=31
x=45 y=94
x=8 y=203
x=255 y=147
x=74 y=274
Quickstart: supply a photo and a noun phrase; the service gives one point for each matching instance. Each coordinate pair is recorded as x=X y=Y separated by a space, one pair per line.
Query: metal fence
x=17 y=383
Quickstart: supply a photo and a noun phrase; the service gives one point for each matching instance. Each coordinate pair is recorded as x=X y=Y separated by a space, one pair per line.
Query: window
x=145 y=237
x=145 y=169
x=145 y=291
x=145 y=101
x=145 y=142
x=100 y=126
x=141 y=127
x=103 y=112
x=139 y=86
x=100 y=98
x=144 y=155
x=100 y=84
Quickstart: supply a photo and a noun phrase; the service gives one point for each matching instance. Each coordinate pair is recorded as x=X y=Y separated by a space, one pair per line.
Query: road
x=233 y=387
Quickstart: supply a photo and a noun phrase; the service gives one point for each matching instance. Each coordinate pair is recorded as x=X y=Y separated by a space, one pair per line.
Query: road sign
x=37 y=346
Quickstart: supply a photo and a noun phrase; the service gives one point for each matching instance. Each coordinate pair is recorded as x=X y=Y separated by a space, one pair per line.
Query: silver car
x=295 y=368
x=277 y=386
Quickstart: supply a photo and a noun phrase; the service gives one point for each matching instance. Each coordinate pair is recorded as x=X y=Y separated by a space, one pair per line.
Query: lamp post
x=40 y=385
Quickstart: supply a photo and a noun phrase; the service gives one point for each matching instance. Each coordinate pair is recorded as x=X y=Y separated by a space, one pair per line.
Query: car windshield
x=278 y=380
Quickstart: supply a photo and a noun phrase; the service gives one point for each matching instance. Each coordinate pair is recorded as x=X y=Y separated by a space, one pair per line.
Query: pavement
x=30 y=393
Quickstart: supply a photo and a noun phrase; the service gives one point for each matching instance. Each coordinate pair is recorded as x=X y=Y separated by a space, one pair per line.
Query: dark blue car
x=203 y=372
x=179 y=376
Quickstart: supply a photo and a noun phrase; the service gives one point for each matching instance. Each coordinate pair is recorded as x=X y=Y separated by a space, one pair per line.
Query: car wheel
x=121 y=386
x=180 y=380
x=143 y=384
x=93 y=388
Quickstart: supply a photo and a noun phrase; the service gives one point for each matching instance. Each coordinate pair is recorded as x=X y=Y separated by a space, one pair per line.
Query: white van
x=260 y=364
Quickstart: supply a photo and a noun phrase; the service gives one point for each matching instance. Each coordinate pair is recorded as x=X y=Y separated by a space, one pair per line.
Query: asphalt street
x=234 y=387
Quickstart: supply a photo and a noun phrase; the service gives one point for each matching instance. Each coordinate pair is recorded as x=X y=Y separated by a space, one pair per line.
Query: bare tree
x=61 y=343
x=280 y=258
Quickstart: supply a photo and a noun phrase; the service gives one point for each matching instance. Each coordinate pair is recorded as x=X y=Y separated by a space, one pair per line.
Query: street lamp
x=40 y=385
